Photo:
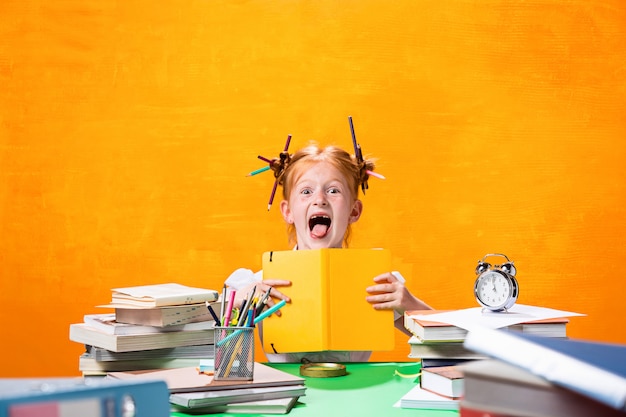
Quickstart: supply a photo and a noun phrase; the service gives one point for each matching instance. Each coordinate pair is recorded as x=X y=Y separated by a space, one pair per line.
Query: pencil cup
x=234 y=353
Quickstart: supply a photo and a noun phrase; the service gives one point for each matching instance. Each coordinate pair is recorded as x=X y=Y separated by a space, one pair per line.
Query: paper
x=471 y=318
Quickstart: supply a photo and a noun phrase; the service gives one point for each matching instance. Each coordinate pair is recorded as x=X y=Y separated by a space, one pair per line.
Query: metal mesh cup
x=234 y=353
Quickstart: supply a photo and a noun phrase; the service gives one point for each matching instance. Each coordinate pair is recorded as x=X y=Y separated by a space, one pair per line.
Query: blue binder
x=72 y=397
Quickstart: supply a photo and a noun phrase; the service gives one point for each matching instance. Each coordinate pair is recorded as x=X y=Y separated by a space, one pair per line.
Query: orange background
x=127 y=128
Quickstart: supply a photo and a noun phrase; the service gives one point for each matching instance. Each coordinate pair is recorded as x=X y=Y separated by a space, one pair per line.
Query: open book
x=328 y=310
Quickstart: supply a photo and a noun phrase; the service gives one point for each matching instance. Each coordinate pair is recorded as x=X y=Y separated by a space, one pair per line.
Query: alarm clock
x=496 y=287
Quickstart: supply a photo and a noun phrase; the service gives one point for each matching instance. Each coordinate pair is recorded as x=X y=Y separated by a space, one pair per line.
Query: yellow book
x=328 y=310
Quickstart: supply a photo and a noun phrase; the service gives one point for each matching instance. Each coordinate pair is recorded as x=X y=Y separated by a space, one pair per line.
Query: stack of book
x=534 y=376
x=442 y=352
x=439 y=387
x=153 y=327
x=271 y=391
x=441 y=344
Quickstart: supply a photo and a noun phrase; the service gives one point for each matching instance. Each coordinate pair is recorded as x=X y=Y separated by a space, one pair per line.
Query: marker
x=270 y=311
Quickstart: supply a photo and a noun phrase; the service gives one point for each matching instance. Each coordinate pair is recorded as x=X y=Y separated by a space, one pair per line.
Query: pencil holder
x=234 y=353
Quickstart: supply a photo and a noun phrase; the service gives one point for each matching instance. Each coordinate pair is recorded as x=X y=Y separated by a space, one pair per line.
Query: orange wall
x=126 y=131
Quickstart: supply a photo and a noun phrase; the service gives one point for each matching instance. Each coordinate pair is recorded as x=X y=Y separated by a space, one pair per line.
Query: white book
x=420 y=349
x=223 y=397
x=106 y=323
x=420 y=398
x=158 y=295
x=275 y=406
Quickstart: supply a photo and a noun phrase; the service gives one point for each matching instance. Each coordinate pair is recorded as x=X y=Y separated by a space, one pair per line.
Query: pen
x=217 y=320
x=261 y=305
x=353 y=136
x=256 y=320
x=223 y=303
x=269 y=205
x=243 y=315
x=357 y=151
x=270 y=311
x=285 y=149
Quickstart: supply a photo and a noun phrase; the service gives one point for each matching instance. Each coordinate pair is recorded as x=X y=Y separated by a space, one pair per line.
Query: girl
x=320 y=203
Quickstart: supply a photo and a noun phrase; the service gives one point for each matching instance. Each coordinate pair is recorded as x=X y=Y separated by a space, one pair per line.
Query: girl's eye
x=333 y=191
x=305 y=191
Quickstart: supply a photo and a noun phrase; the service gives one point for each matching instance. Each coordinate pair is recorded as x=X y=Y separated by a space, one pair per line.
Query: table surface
x=369 y=389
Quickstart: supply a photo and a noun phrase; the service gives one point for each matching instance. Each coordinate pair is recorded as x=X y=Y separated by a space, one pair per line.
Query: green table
x=369 y=389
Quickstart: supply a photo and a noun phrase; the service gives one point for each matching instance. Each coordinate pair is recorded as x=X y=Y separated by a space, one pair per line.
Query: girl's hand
x=389 y=293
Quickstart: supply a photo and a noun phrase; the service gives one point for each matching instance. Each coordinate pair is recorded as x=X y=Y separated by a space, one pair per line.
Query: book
x=593 y=369
x=162 y=316
x=420 y=398
x=89 y=366
x=107 y=323
x=434 y=331
x=194 y=400
x=430 y=363
x=81 y=333
x=45 y=397
x=470 y=410
x=190 y=380
x=178 y=352
x=327 y=296
x=275 y=406
x=443 y=380
x=158 y=295
x=495 y=388
x=546 y=327
x=419 y=349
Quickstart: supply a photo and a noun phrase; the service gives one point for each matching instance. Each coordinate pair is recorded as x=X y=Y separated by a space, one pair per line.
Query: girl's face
x=320 y=207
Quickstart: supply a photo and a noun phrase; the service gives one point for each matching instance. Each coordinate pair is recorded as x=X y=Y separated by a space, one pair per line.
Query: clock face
x=495 y=290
